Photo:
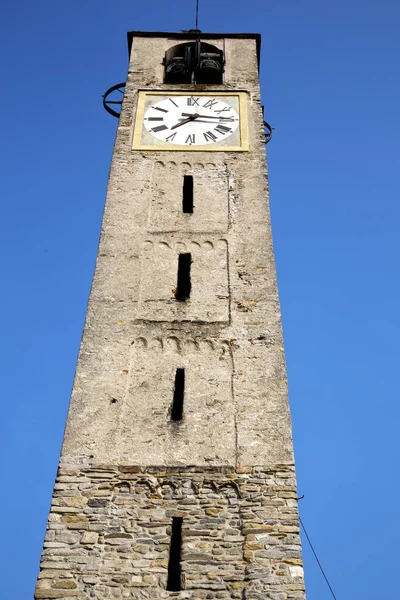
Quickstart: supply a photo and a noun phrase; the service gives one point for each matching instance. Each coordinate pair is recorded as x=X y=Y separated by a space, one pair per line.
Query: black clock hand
x=206 y=116
x=191 y=118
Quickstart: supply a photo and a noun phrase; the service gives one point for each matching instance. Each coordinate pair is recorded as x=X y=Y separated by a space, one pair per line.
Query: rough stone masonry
x=226 y=470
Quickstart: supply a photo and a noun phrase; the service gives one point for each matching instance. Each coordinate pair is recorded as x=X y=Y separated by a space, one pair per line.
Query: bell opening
x=194 y=62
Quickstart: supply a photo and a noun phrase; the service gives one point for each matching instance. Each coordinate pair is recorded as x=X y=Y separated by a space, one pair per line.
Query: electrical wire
x=316 y=557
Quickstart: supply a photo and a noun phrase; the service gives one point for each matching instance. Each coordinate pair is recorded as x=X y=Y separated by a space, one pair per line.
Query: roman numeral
x=190 y=139
x=222 y=129
x=210 y=103
x=229 y=119
x=155 y=119
x=159 y=128
x=210 y=136
x=170 y=137
x=221 y=110
x=158 y=108
x=193 y=101
x=174 y=103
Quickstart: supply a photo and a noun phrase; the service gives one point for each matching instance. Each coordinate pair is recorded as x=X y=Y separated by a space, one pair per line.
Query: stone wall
x=109 y=530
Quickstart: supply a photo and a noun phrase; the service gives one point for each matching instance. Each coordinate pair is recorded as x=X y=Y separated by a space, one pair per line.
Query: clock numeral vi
x=191 y=139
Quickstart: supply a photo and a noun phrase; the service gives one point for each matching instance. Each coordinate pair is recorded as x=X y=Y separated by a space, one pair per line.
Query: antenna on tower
x=197 y=45
x=197 y=14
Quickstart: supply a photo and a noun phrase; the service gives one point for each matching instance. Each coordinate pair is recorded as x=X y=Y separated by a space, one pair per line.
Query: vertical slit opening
x=174 y=563
x=179 y=394
x=184 y=285
x=187 y=197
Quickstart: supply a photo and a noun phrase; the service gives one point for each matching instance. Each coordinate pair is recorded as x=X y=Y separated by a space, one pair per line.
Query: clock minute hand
x=206 y=116
x=191 y=118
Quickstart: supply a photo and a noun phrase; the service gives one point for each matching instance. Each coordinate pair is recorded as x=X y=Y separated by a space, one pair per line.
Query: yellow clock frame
x=243 y=127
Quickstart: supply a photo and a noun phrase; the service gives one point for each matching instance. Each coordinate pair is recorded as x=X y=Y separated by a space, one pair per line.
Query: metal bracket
x=268 y=132
x=120 y=87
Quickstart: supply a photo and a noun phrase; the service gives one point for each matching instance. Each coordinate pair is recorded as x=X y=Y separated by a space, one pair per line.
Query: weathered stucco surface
x=227 y=468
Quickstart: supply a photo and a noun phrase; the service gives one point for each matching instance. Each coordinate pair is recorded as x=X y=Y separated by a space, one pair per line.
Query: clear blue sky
x=330 y=85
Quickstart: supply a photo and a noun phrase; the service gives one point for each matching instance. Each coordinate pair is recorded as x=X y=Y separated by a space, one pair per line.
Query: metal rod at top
x=197 y=14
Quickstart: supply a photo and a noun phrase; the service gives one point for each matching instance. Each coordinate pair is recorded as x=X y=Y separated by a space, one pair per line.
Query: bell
x=176 y=71
x=210 y=69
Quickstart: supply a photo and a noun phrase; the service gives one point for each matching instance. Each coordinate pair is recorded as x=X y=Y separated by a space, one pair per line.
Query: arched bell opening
x=210 y=65
x=178 y=60
x=194 y=62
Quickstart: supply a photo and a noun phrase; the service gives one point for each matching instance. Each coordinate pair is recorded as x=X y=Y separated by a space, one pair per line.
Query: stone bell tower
x=176 y=476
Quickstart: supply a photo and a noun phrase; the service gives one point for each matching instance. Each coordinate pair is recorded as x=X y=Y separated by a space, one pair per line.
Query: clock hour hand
x=191 y=118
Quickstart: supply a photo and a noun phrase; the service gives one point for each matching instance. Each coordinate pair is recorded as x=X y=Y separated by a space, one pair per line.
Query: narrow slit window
x=174 y=563
x=184 y=285
x=187 y=197
x=179 y=394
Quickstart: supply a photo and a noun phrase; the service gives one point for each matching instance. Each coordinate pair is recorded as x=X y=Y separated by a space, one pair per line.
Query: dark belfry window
x=174 y=563
x=184 y=284
x=194 y=62
x=179 y=394
x=187 y=196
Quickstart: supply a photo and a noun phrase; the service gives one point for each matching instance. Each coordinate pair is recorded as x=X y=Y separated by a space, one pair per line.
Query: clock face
x=213 y=121
x=191 y=120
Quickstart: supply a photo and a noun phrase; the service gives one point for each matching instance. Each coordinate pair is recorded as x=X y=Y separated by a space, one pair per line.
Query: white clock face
x=191 y=120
